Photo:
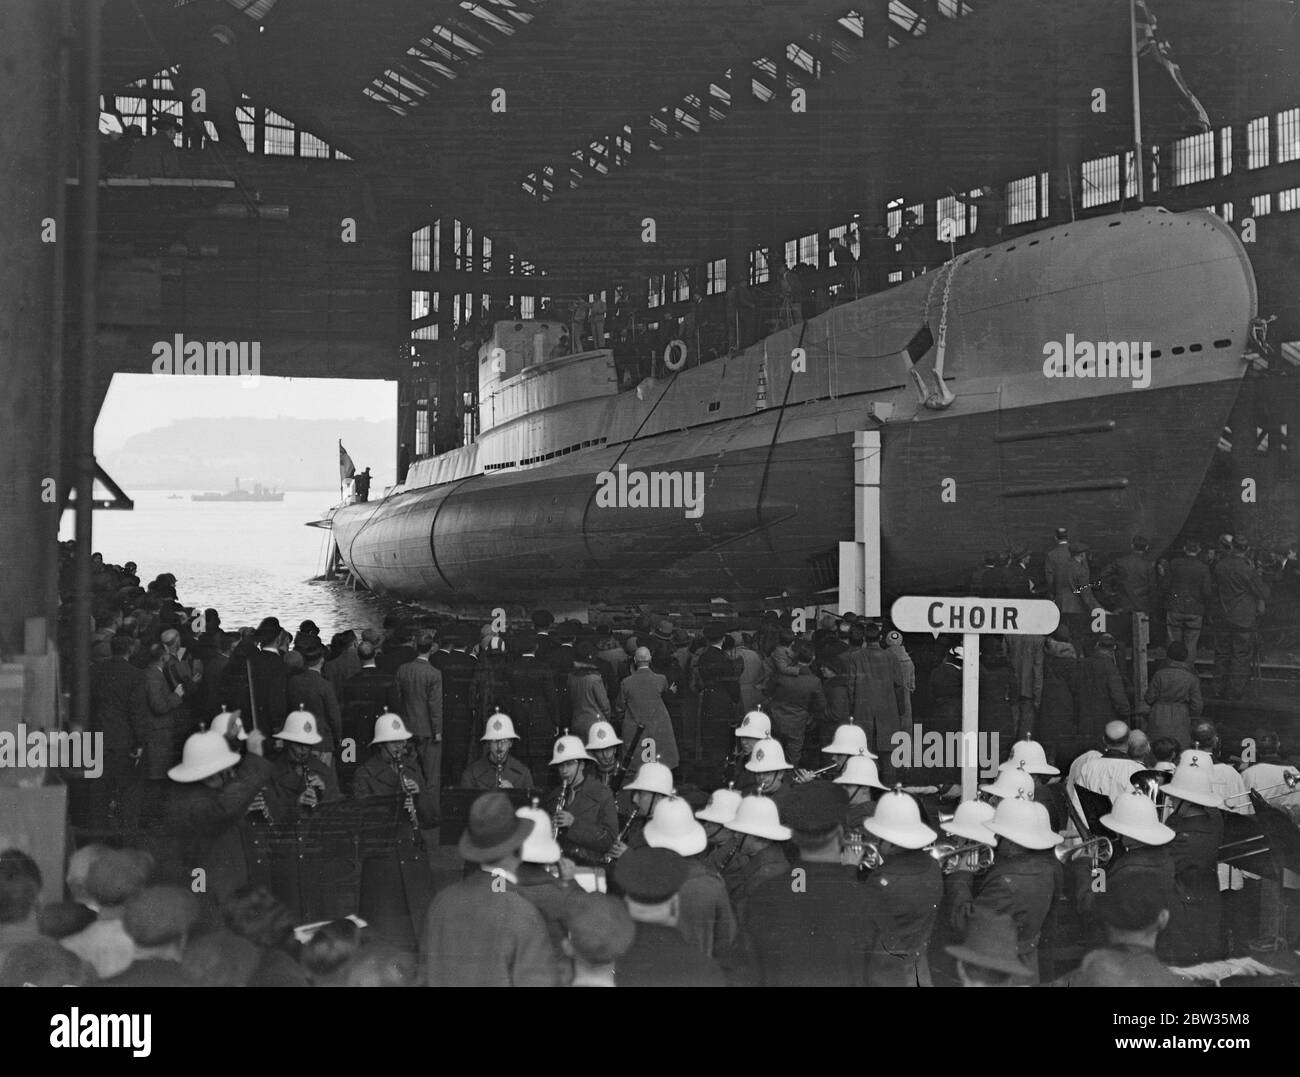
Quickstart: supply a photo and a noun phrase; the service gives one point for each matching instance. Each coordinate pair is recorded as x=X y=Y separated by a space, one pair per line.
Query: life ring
x=675 y=343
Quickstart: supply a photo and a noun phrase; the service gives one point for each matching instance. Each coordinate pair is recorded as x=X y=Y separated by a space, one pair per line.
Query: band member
x=300 y=781
x=771 y=771
x=1197 y=822
x=603 y=744
x=756 y=854
x=1147 y=861
x=1010 y=784
x=497 y=768
x=755 y=726
x=392 y=767
x=859 y=777
x=706 y=918
x=714 y=817
x=1024 y=881
x=850 y=740
x=582 y=811
x=652 y=783
x=545 y=878
x=904 y=894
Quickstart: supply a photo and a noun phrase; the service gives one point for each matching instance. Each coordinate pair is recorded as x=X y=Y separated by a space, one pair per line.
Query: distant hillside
x=294 y=454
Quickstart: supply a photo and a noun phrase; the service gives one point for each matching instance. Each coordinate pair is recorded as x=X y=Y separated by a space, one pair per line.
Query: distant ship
x=257 y=493
x=1000 y=447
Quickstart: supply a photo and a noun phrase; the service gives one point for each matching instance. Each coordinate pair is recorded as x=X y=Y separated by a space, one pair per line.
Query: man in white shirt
x=1109 y=772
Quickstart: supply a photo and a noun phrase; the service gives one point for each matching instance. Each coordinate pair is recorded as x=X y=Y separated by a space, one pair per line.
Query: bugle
x=1100 y=850
x=950 y=856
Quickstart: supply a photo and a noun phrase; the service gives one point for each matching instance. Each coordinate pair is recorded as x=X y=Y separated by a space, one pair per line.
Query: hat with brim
x=972 y=822
x=991 y=943
x=898 y=820
x=721 y=808
x=1134 y=816
x=204 y=755
x=493 y=831
x=1026 y=823
x=540 y=846
x=1191 y=780
x=759 y=817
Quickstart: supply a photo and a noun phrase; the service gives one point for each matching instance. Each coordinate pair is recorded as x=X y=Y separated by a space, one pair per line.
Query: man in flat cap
x=1134 y=914
x=479 y=931
x=660 y=956
x=810 y=927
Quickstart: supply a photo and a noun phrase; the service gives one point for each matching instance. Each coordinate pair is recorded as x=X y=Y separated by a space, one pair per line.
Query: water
x=247 y=560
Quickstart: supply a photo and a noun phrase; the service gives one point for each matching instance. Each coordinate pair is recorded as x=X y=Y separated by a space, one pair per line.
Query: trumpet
x=1100 y=850
x=857 y=852
x=950 y=856
x=1290 y=782
x=559 y=807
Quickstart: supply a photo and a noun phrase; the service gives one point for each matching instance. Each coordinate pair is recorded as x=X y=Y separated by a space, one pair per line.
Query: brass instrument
x=559 y=807
x=1290 y=782
x=817 y=773
x=1099 y=850
x=950 y=855
x=857 y=852
x=1149 y=782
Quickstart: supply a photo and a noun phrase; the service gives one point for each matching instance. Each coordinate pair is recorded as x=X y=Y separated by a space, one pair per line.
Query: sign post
x=974 y=617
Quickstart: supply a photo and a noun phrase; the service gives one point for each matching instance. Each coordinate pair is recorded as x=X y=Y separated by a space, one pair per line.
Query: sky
x=139 y=402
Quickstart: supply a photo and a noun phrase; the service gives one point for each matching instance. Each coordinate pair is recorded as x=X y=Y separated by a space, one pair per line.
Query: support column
x=31 y=179
x=860 y=559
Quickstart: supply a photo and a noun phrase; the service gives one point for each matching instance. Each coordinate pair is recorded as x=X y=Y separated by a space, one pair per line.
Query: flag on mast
x=1150 y=45
x=346 y=467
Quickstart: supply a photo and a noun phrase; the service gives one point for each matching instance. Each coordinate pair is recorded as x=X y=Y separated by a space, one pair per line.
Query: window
x=758 y=268
x=1100 y=181
x=1288 y=135
x=487 y=255
x=1261 y=205
x=419 y=305
x=655 y=290
x=681 y=285
x=422 y=430
x=848 y=235
x=311 y=146
x=467 y=262
x=435 y=246
x=279 y=136
x=426 y=332
x=1225 y=151
x=527 y=306
x=1257 y=143
x=1022 y=200
x=1194 y=159
x=420 y=249
x=808 y=249
x=791 y=252
x=1288 y=200
x=715 y=277
x=456 y=248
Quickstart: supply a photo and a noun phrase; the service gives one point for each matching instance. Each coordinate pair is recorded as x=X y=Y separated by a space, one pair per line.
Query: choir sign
x=977 y=616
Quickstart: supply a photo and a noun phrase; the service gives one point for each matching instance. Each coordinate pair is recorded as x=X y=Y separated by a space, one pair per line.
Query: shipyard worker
x=598 y=311
x=578 y=322
x=1056 y=562
x=1133 y=579
x=419 y=687
x=480 y=932
x=1187 y=592
x=990 y=203
x=403 y=462
x=1073 y=596
x=211 y=65
x=497 y=768
x=641 y=702
x=1239 y=601
x=719 y=681
x=361 y=485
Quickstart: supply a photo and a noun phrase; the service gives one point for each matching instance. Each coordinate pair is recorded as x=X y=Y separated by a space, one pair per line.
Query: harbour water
x=248 y=560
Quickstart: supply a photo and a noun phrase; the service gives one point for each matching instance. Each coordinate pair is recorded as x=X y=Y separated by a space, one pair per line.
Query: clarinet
x=311 y=780
x=627 y=829
x=559 y=807
x=259 y=804
x=499 y=767
x=619 y=776
x=409 y=804
x=731 y=855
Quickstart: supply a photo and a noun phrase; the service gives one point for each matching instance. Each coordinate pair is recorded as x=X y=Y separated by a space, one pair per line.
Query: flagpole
x=1139 y=163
